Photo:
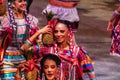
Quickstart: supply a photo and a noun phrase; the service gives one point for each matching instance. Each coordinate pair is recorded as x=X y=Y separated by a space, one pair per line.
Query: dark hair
x=67 y=23
x=51 y=57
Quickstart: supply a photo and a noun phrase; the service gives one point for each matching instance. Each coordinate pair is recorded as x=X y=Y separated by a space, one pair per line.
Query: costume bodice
x=22 y=27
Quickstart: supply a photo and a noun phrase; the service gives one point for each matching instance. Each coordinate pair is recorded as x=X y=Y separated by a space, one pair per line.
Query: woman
x=49 y=67
x=65 y=10
x=114 y=26
x=22 y=26
x=72 y=56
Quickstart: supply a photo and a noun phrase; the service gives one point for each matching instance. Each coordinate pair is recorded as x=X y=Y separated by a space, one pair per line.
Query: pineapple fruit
x=47 y=38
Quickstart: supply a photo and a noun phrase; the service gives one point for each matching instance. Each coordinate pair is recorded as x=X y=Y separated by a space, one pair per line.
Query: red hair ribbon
x=1 y=1
x=52 y=23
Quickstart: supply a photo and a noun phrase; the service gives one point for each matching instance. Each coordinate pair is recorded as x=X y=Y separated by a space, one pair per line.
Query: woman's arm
x=63 y=4
x=29 y=42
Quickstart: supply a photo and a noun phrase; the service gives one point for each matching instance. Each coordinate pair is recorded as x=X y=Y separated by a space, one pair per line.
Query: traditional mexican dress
x=12 y=57
x=115 y=36
x=67 y=70
x=63 y=13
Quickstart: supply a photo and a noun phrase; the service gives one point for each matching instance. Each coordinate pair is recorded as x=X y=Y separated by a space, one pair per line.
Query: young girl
x=49 y=67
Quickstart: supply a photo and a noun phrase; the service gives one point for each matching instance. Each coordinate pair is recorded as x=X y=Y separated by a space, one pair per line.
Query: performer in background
x=114 y=26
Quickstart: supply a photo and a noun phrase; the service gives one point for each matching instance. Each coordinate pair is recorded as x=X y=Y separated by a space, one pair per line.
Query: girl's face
x=20 y=5
x=61 y=33
x=50 y=69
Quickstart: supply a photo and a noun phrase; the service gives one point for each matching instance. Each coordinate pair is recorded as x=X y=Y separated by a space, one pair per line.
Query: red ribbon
x=1 y=1
x=52 y=23
x=9 y=32
x=33 y=30
x=72 y=61
x=31 y=65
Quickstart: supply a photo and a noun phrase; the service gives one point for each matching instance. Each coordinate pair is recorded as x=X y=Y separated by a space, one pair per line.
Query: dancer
x=21 y=26
x=114 y=26
x=65 y=10
x=70 y=54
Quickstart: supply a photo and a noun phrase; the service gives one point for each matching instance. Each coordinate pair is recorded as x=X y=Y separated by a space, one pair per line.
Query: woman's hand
x=23 y=66
x=46 y=29
x=110 y=26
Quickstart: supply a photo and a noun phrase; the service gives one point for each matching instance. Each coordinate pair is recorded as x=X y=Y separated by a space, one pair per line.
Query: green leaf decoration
x=49 y=15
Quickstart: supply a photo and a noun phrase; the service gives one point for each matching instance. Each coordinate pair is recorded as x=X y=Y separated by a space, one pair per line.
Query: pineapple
x=47 y=38
x=30 y=74
x=49 y=15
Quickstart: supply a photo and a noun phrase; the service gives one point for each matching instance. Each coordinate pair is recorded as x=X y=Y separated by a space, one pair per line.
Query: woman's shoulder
x=5 y=20
x=34 y=21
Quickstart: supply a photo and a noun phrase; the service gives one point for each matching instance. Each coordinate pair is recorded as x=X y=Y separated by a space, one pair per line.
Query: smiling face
x=20 y=5
x=50 y=69
x=2 y=8
x=61 y=33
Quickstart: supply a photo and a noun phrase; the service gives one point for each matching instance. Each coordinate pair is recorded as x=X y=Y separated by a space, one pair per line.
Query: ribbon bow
x=31 y=65
x=52 y=23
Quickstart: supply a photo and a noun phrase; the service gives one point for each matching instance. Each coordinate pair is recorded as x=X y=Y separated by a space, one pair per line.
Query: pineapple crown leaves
x=28 y=54
x=49 y=15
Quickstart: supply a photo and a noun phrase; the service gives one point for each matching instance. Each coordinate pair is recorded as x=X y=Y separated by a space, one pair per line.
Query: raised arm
x=29 y=42
x=63 y=4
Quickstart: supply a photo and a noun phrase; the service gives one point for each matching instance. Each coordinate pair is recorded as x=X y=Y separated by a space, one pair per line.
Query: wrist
x=39 y=32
